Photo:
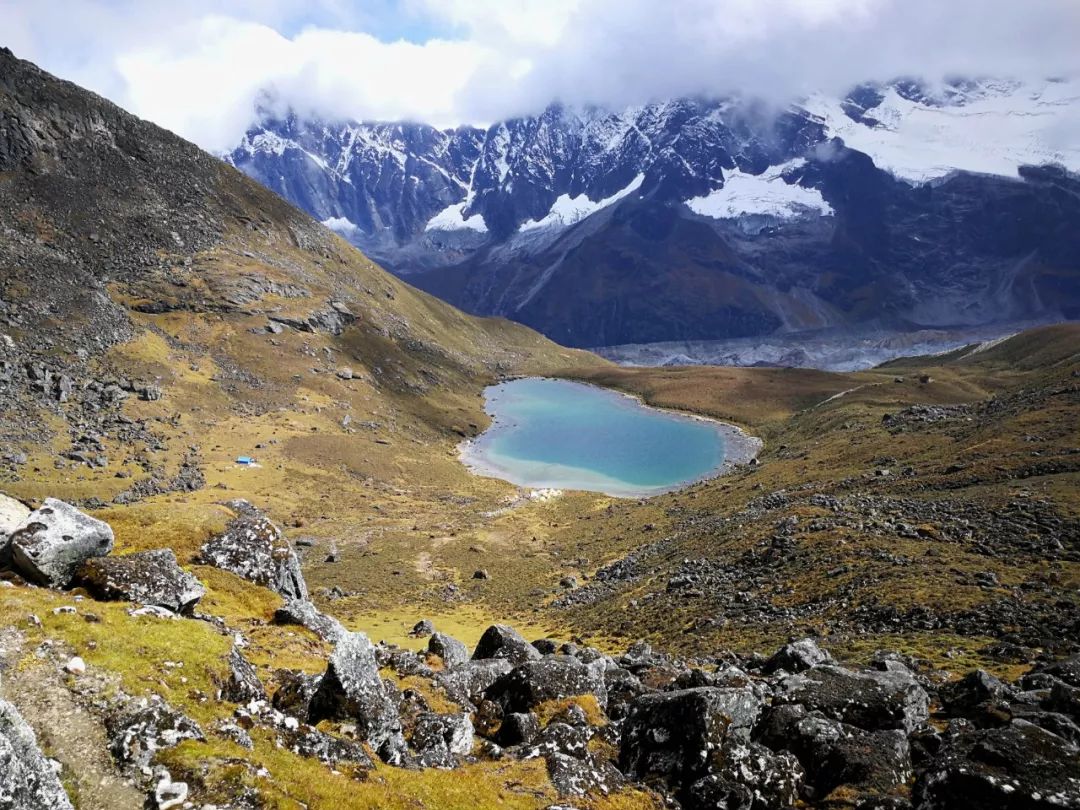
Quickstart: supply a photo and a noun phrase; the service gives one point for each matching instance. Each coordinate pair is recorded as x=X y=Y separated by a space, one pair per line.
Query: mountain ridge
x=786 y=218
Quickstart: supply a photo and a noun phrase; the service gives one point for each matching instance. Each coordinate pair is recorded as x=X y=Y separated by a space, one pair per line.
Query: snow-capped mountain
x=901 y=205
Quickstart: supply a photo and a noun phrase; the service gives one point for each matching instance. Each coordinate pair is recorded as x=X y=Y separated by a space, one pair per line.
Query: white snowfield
x=994 y=129
x=567 y=210
x=767 y=194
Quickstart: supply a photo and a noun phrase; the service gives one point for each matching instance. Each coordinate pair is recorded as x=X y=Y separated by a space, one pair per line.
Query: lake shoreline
x=740 y=447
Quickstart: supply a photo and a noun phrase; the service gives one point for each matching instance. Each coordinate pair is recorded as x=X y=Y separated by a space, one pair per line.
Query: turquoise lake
x=567 y=435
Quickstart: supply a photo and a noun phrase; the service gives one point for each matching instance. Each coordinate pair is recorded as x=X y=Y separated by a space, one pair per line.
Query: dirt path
x=65 y=730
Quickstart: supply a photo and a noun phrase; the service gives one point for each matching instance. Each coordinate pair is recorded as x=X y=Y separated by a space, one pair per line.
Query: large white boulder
x=54 y=540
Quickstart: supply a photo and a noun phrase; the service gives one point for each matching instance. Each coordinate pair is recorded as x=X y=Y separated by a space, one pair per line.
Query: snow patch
x=341 y=226
x=452 y=218
x=1003 y=126
x=567 y=210
x=767 y=194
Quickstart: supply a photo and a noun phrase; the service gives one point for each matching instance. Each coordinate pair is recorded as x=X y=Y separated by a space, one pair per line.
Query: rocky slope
x=900 y=206
x=721 y=730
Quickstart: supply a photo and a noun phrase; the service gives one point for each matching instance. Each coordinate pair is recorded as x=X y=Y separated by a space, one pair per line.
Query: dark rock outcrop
x=295 y=691
x=242 y=684
x=502 y=641
x=676 y=736
x=552 y=678
x=440 y=740
x=1017 y=767
x=870 y=700
x=465 y=684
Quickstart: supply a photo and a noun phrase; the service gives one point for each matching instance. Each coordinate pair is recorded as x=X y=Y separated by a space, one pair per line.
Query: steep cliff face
x=898 y=205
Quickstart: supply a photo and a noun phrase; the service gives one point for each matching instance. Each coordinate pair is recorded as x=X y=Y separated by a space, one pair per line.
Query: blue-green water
x=566 y=435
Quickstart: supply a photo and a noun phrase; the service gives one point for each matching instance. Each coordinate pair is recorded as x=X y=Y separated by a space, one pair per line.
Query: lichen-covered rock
x=54 y=540
x=772 y=778
x=312 y=743
x=452 y=651
x=304 y=613
x=28 y=780
x=559 y=738
x=1064 y=669
x=797 y=656
x=253 y=547
x=1016 y=767
x=870 y=700
x=552 y=678
x=502 y=641
x=714 y=791
x=351 y=689
x=678 y=735
x=145 y=577
x=140 y=728
x=242 y=684
x=574 y=776
x=465 y=683
x=441 y=739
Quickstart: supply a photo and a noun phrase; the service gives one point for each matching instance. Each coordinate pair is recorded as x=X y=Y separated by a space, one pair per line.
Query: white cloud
x=198 y=67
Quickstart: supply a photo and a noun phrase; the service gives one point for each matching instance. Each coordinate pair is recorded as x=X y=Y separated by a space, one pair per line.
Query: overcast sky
x=197 y=67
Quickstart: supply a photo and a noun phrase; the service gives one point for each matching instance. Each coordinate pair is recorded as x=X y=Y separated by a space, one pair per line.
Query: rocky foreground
x=796 y=728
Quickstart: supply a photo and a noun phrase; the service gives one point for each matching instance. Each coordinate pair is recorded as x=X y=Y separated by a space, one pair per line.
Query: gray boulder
x=54 y=540
x=871 y=700
x=305 y=614
x=465 y=683
x=552 y=678
x=28 y=780
x=351 y=689
x=12 y=514
x=797 y=656
x=146 y=577
x=502 y=641
x=518 y=729
x=452 y=651
x=678 y=736
x=253 y=547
